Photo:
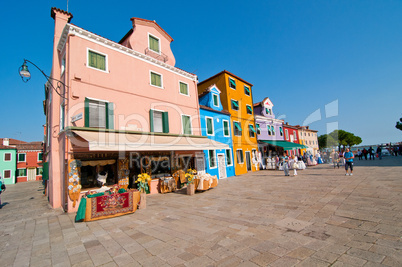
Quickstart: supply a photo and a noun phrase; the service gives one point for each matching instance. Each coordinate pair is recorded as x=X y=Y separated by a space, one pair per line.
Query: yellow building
x=236 y=97
x=308 y=137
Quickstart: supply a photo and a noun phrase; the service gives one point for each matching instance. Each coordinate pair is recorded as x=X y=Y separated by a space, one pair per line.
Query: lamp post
x=26 y=76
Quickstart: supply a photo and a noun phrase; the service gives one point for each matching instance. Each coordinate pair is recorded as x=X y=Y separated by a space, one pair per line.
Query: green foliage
x=339 y=138
x=399 y=124
x=326 y=141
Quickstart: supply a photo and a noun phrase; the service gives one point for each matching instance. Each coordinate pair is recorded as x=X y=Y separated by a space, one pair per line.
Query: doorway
x=222 y=166
x=31 y=174
x=248 y=160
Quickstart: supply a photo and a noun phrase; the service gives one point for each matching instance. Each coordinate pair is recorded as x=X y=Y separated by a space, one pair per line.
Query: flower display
x=142 y=182
x=190 y=175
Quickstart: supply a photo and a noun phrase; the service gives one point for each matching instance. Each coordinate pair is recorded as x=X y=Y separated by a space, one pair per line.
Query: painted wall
x=245 y=143
x=218 y=133
x=8 y=165
x=31 y=162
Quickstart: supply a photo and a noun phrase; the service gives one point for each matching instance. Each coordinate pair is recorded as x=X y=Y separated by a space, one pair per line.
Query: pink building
x=125 y=109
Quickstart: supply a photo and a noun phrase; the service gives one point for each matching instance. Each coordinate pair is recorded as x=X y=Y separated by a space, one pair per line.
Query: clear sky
x=325 y=63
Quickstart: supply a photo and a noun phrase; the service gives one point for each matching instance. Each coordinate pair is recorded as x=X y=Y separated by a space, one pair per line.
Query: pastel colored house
x=291 y=135
x=126 y=109
x=29 y=162
x=215 y=124
x=236 y=97
x=309 y=138
x=8 y=160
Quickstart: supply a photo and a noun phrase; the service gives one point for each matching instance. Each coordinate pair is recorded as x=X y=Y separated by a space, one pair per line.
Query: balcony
x=159 y=56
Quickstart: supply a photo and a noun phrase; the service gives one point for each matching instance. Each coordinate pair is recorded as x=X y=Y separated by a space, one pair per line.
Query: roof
x=30 y=146
x=224 y=111
x=146 y=22
x=12 y=141
x=207 y=90
x=227 y=72
x=52 y=13
x=7 y=147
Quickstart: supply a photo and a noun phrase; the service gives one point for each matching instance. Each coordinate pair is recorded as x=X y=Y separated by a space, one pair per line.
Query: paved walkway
x=319 y=218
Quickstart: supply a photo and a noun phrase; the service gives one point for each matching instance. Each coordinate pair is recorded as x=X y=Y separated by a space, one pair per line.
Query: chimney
x=6 y=142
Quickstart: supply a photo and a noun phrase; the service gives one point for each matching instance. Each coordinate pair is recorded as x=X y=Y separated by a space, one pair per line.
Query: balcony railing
x=161 y=57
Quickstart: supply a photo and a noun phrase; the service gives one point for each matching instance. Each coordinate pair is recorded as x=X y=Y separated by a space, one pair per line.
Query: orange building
x=236 y=97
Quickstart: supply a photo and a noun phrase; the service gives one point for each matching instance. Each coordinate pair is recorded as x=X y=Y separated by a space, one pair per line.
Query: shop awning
x=284 y=144
x=122 y=141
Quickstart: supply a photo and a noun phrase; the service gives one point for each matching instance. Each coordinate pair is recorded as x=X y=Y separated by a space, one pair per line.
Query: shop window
x=99 y=114
x=159 y=121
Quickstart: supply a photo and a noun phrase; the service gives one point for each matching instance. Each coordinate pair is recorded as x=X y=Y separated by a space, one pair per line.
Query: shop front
x=100 y=160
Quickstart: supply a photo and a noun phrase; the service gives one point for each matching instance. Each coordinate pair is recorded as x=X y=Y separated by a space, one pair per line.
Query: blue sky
x=326 y=63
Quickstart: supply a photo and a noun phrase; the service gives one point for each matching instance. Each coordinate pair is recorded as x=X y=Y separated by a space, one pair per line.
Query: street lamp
x=26 y=76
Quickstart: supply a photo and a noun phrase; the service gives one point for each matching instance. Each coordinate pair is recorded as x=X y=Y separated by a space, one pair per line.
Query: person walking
x=396 y=151
x=294 y=165
x=371 y=152
x=348 y=161
x=379 y=152
x=335 y=158
x=285 y=161
x=359 y=154
x=2 y=188
x=365 y=152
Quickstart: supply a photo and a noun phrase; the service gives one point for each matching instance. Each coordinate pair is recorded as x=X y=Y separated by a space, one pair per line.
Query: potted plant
x=142 y=184
x=190 y=181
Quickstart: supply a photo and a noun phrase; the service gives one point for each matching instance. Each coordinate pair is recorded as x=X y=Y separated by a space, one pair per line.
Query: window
x=212 y=158
x=251 y=130
x=21 y=172
x=254 y=154
x=226 y=131
x=39 y=171
x=239 y=154
x=7 y=174
x=186 y=123
x=281 y=131
x=210 y=125
x=183 y=88
x=99 y=114
x=62 y=121
x=268 y=111
x=232 y=83
x=7 y=156
x=249 y=109
x=63 y=65
x=21 y=157
x=156 y=79
x=269 y=129
x=158 y=121
x=216 y=100
x=40 y=156
x=247 y=90
x=96 y=60
x=273 y=129
x=237 y=128
x=286 y=134
x=294 y=134
x=228 y=153
x=257 y=126
x=154 y=43
x=235 y=104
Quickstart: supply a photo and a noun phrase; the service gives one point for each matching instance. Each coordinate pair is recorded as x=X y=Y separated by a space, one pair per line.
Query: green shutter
x=183 y=88
x=156 y=79
x=228 y=157
x=153 y=43
x=235 y=104
x=226 y=128
x=96 y=60
x=109 y=115
x=45 y=173
x=232 y=83
x=216 y=100
x=249 y=109
x=186 y=125
x=165 y=122
x=151 y=120
x=86 y=111
x=247 y=90
x=209 y=126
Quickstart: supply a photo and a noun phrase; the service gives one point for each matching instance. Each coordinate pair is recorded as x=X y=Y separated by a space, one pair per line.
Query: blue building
x=215 y=124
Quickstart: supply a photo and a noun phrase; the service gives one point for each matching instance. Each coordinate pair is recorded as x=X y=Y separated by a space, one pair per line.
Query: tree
x=326 y=141
x=399 y=124
x=344 y=138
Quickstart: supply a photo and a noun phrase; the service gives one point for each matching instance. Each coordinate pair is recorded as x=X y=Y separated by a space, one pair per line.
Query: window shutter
x=165 y=121
x=109 y=116
x=151 y=120
x=226 y=128
x=209 y=126
x=86 y=112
